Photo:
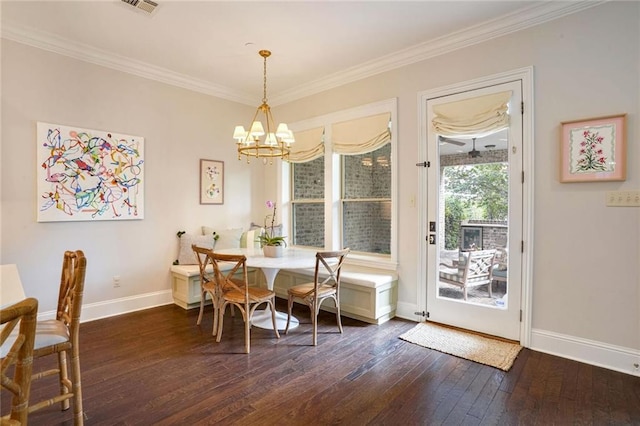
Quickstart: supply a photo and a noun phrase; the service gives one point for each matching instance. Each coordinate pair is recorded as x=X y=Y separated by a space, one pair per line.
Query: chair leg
x=78 y=414
x=247 y=330
x=215 y=318
x=314 y=320
x=220 y=321
x=63 y=378
x=202 y=297
x=273 y=317
x=289 y=308
x=490 y=293
x=464 y=292
x=337 y=300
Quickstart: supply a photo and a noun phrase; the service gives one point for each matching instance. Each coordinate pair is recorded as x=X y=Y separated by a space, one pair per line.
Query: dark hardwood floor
x=156 y=367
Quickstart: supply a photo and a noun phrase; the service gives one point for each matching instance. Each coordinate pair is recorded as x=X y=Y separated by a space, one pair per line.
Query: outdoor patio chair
x=474 y=268
x=500 y=266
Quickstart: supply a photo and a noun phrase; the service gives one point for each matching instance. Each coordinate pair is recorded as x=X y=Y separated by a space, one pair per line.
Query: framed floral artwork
x=593 y=150
x=211 y=182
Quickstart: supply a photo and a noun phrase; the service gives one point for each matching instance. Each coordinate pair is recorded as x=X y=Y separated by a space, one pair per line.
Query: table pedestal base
x=262 y=319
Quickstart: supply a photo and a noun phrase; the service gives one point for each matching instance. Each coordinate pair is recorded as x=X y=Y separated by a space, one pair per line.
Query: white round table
x=292 y=258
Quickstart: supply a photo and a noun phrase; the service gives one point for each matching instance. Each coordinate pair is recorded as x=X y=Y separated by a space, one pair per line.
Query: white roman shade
x=361 y=135
x=474 y=117
x=308 y=146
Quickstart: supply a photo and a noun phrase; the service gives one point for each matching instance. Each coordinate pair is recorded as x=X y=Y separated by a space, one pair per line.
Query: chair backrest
x=17 y=348
x=74 y=266
x=325 y=258
x=204 y=259
x=478 y=265
x=224 y=281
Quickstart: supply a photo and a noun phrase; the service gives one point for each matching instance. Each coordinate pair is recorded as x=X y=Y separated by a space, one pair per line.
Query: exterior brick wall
x=367 y=224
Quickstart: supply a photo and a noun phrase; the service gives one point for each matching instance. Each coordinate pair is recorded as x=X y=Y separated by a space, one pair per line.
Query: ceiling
x=212 y=46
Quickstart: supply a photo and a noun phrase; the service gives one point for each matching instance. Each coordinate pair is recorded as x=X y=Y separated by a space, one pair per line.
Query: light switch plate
x=623 y=198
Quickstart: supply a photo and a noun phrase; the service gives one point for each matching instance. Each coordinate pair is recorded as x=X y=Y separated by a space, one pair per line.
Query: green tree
x=454 y=211
x=484 y=186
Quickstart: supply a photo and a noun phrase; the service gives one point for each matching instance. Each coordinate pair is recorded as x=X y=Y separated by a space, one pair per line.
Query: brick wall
x=367 y=224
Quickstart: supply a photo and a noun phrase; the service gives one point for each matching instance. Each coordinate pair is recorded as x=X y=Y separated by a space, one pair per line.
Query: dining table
x=292 y=258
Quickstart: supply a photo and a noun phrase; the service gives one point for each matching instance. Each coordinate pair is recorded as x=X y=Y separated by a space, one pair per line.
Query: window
x=342 y=192
x=307 y=203
x=366 y=201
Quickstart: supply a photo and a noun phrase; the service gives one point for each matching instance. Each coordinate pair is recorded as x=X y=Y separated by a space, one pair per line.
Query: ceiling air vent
x=144 y=5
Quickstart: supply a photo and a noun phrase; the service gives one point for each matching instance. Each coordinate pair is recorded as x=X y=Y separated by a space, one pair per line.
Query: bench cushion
x=193 y=270
x=365 y=277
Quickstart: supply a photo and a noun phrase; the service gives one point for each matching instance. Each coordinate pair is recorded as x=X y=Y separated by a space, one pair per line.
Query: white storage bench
x=366 y=294
x=185 y=283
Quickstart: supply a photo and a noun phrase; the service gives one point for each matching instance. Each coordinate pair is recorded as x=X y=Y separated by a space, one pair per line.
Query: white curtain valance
x=308 y=146
x=361 y=135
x=475 y=117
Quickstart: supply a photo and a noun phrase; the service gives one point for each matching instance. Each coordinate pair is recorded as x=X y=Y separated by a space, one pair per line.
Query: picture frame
x=593 y=149
x=471 y=238
x=88 y=175
x=211 y=182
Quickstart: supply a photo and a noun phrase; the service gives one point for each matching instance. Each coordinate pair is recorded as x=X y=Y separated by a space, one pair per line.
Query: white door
x=475 y=202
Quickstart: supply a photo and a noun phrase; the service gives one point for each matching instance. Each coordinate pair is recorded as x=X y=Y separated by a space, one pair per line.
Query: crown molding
x=87 y=53
x=497 y=27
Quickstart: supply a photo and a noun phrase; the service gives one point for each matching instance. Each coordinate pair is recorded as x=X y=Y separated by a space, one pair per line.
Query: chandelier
x=266 y=142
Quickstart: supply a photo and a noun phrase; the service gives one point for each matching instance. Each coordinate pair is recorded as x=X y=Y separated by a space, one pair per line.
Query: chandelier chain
x=264 y=82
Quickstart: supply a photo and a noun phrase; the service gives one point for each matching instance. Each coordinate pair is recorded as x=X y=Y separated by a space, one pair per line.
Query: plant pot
x=272 y=251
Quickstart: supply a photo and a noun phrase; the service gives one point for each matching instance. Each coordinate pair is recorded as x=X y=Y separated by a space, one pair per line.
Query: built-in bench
x=185 y=283
x=366 y=294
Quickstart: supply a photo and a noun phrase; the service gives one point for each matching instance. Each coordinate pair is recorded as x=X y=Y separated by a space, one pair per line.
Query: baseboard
x=110 y=308
x=591 y=352
x=600 y=354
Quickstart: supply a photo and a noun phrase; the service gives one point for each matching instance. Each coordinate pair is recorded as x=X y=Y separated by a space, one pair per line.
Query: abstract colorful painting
x=87 y=175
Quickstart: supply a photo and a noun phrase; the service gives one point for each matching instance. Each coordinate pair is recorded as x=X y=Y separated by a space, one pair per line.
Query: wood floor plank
x=156 y=367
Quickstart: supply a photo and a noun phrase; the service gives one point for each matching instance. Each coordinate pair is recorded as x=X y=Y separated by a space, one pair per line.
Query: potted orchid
x=267 y=238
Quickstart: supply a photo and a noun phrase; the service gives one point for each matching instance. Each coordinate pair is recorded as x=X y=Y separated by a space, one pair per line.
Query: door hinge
x=521 y=246
x=520 y=315
x=424 y=164
x=522 y=107
x=422 y=314
x=523 y=176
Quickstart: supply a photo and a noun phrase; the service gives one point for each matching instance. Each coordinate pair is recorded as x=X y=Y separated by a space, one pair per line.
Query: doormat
x=485 y=350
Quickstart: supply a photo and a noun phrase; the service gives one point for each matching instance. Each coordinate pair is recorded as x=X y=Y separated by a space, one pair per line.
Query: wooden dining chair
x=316 y=292
x=60 y=336
x=208 y=285
x=240 y=295
x=16 y=349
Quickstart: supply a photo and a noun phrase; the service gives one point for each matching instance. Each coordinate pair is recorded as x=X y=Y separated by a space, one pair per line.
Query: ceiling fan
x=442 y=139
x=473 y=153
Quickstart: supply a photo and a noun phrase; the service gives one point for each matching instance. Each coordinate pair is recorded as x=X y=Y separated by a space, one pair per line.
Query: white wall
x=586 y=283
x=179 y=126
